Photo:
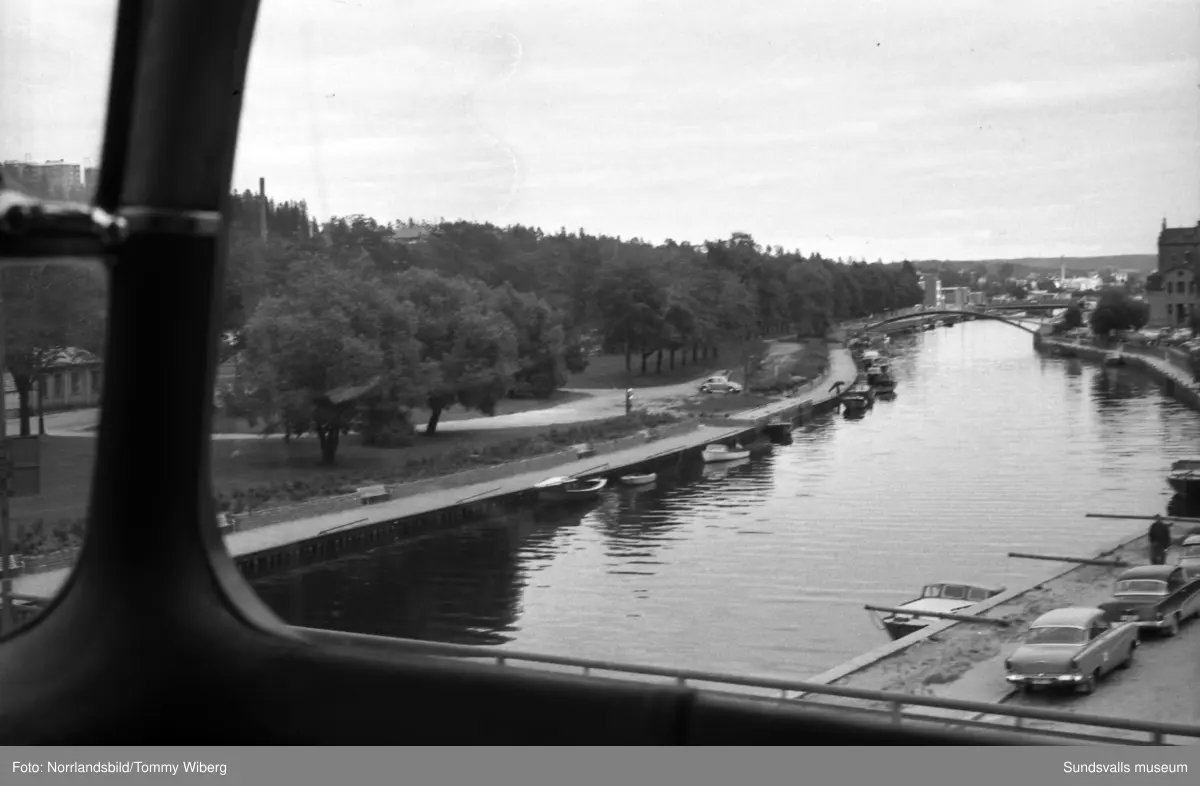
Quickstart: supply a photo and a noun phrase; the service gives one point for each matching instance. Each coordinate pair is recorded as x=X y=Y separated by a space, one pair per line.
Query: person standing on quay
x=1160 y=540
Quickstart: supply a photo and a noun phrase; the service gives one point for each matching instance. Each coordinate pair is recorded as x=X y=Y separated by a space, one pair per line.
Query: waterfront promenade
x=242 y=544
x=964 y=661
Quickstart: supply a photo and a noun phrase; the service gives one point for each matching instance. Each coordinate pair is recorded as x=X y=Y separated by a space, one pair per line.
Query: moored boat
x=776 y=429
x=885 y=384
x=716 y=452
x=639 y=479
x=948 y=597
x=1114 y=359
x=1185 y=477
x=858 y=399
x=569 y=489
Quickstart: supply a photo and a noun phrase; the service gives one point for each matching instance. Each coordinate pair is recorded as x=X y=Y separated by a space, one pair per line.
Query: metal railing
x=901 y=708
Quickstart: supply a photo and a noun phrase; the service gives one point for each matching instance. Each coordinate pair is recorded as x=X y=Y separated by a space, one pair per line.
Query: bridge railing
x=899 y=708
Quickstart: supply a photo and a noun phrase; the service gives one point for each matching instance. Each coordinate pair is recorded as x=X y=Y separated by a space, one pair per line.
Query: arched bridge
x=949 y=312
x=1019 y=306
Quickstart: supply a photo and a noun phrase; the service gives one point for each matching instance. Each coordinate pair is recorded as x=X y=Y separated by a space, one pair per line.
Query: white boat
x=1114 y=359
x=555 y=482
x=639 y=480
x=717 y=452
x=569 y=489
x=946 y=597
x=721 y=470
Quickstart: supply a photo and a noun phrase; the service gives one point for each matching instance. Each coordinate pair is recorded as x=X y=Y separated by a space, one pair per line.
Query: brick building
x=1171 y=291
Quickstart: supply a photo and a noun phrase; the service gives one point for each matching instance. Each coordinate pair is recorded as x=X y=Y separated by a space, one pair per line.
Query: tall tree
x=318 y=350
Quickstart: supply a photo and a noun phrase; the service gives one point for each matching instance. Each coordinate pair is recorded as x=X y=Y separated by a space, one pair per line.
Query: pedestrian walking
x=1160 y=540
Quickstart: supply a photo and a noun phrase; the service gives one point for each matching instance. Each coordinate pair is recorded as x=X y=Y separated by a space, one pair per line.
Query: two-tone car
x=1072 y=647
x=1156 y=597
x=1189 y=557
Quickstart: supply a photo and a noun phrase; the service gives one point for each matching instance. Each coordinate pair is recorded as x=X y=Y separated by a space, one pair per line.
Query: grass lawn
x=508 y=406
x=280 y=472
x=608 y=371
x=808 y=359
x=720 y=404
x=67 y=465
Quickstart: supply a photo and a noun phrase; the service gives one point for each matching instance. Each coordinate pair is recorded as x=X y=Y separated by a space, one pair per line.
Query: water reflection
x=463 y=589
x=763 y=566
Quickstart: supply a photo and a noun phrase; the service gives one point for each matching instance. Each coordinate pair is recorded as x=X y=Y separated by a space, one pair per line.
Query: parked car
x=1156 y=597
x=1189 y=557
x=1071 y=647
x=720 y=385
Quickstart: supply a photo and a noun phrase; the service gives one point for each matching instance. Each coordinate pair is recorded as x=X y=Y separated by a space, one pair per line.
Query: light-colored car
x=719 y=384
x=1072 y=647
x=1157 y=597
x=1189 y=557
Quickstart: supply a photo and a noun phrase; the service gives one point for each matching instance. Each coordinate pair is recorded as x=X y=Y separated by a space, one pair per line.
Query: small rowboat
x=569 y=489
x=639 y=480
x=717 y=452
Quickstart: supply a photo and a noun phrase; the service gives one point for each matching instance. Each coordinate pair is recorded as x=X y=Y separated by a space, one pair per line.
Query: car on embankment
x=1072 y=647
x=720 y=384
x=1189 y=557
x=1155 y=597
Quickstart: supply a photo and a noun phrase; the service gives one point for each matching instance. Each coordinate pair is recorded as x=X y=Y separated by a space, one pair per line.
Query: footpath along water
x=763 y=568
x=347 y=518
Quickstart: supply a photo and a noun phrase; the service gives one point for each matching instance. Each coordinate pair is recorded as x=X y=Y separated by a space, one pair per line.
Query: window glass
x=53 y=319
x=1055 y=635
x=54 y=89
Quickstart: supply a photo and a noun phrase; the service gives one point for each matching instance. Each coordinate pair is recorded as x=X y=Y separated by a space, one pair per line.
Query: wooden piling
x=1168 y=519
x=1111 y=563
x=920 y=613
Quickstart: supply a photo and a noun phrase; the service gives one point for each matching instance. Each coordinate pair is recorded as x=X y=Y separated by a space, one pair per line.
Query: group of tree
x=353 y=324
x=1116 y=310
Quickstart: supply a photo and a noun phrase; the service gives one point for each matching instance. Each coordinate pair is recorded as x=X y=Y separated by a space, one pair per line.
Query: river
x=763 y=568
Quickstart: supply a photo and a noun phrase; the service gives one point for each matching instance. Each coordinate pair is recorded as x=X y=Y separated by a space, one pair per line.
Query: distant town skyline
x=937 y=130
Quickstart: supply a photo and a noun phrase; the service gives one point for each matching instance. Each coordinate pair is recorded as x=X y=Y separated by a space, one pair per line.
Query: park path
x=596 y=405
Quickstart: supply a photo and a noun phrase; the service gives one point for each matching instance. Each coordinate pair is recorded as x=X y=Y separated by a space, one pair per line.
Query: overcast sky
x=904 y=128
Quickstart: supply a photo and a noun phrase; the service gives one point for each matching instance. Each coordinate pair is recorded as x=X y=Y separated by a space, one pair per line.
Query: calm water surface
x=763 y=568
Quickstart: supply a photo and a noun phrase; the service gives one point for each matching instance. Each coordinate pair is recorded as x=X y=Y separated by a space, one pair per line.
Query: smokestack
x=262 y=208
